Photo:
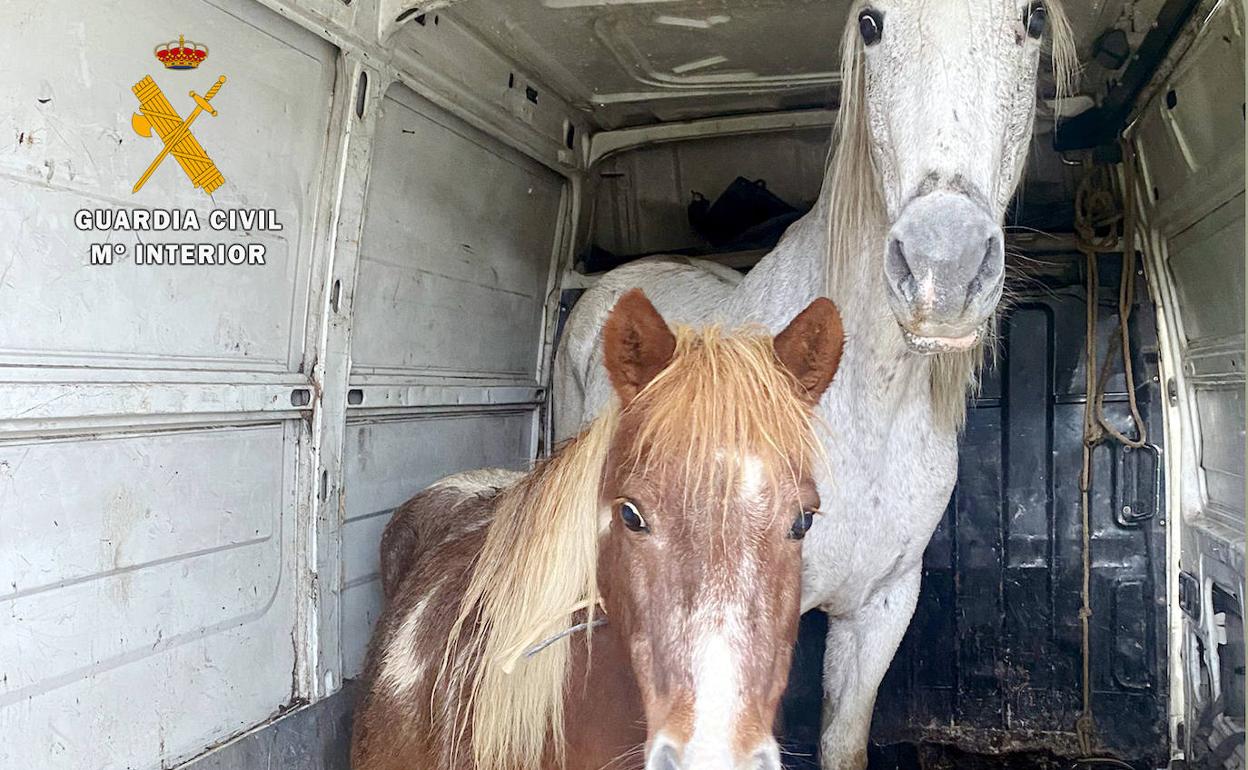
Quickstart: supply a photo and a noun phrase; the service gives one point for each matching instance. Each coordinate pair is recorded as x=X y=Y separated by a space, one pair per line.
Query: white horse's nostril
x=990 y=270
x=897 y=268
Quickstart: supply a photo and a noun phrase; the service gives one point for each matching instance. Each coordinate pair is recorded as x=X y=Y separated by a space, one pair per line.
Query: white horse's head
x=937 y=109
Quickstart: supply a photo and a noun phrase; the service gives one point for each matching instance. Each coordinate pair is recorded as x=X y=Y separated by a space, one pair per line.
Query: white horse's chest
x=889 y=478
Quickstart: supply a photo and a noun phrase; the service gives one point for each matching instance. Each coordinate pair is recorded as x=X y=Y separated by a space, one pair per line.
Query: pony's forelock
x=725 y=397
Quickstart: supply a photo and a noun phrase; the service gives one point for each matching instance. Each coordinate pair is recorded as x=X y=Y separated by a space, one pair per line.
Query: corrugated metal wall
x=196 y=462
x=150 y=496
x=1189 y=141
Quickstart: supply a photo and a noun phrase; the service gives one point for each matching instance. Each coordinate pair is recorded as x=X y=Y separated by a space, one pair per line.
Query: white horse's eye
x=871 y=26
x=1034 y=19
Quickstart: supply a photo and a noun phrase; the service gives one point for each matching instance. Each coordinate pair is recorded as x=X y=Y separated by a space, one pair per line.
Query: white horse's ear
x=810 y=347
x=637 y=344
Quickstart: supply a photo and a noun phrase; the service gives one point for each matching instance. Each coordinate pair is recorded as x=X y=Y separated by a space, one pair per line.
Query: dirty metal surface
x=457 y=257
x=315 y=737
x=989 y=672
x=153 y=416
x=635 y=62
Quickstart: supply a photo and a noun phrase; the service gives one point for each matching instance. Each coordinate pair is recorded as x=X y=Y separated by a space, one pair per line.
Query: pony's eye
x=632 y=518
x=801 y=525
x=871 y=26
x=1034 y=19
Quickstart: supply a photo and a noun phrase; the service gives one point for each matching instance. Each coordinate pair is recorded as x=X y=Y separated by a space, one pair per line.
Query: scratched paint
x=157 y=580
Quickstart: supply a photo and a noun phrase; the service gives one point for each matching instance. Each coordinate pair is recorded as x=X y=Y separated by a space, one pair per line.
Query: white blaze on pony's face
x=713 y=589
x=949 y=92
x=710 y=491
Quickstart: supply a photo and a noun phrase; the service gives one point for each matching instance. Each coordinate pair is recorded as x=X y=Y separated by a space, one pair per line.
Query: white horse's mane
x=856 y=203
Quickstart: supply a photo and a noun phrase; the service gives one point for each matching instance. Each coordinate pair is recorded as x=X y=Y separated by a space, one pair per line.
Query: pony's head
x=679 y=509
x=938 y=102
x=707 y=492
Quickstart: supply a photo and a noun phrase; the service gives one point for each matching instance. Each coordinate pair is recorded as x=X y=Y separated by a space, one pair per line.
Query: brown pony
x=675 y=517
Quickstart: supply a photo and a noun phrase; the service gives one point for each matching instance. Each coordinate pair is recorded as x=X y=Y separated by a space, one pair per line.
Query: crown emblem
x=181 y=55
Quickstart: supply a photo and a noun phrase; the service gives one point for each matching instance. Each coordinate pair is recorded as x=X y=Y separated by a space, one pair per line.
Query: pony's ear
x=637 y=344
x=810 y=347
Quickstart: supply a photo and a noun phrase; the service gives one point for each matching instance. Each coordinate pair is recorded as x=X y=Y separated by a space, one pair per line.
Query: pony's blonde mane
x=857 y=204
x=723 y=395
x=536 y=571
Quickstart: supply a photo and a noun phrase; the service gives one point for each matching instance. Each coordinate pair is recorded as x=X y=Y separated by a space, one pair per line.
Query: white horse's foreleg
x=860 y=648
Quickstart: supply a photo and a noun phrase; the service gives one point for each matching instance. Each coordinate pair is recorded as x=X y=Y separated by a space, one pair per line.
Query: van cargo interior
x=196 y=467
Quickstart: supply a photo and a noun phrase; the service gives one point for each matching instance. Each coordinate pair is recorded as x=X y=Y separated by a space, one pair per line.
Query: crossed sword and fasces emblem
x=176 y=133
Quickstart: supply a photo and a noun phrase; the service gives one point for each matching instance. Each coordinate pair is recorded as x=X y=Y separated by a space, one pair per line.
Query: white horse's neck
x=877 y=360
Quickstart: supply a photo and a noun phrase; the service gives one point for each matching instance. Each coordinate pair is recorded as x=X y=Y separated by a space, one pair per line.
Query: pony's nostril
x=765 y=759
x=665 y=759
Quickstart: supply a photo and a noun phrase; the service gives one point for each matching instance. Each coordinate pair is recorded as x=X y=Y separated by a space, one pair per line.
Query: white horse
x=935 y=122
